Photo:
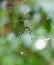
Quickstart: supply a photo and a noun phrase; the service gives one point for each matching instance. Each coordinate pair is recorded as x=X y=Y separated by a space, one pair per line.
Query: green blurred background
x=26 y=32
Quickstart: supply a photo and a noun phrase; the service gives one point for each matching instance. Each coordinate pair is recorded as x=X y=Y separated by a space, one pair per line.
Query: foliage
x=26 y=32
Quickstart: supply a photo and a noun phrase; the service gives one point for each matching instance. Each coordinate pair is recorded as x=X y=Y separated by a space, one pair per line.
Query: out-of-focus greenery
x=26 y=32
